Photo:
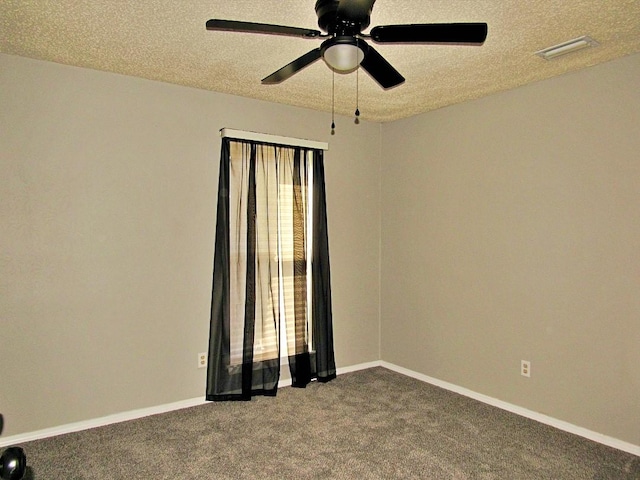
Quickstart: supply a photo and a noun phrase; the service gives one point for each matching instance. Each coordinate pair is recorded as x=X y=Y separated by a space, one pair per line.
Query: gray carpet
x=371 y=424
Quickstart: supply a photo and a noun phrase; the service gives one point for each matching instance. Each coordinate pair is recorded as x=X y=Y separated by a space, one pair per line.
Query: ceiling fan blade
x=250 y=27
x=293 y=67
x=437 y=33
x=381 y=70
x=355 y=10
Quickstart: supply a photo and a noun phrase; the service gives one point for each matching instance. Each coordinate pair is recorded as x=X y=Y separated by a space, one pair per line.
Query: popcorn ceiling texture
x=167 y=41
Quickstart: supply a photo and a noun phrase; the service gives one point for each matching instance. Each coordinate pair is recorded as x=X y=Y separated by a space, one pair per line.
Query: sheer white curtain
x=282 y=258
x=264 y=267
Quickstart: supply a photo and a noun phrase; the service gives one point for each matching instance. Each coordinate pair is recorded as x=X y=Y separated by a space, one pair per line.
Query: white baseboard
x=539 y=417
x=145 y=412
x=99 y=422
x=359 y=366
x=139 y=413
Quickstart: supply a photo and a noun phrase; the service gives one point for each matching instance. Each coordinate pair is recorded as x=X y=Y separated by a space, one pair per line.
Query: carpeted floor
x=371 y=424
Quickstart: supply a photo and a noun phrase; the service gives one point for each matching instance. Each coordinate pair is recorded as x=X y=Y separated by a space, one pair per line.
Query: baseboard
x=145 y=412
x=359 y=366
x=539 y=417
x=100 y=422
x=139 y=413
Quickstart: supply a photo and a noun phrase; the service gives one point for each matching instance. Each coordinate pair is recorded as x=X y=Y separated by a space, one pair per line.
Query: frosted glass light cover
x=343 y=57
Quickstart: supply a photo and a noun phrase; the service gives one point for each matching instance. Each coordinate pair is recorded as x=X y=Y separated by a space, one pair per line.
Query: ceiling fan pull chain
x=357 y=119
x=333 y=103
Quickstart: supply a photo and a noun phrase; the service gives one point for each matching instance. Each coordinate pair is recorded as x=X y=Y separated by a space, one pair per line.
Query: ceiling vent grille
x=567 y=47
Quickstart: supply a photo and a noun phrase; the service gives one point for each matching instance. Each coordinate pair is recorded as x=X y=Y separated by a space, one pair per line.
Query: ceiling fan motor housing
x=333 y=22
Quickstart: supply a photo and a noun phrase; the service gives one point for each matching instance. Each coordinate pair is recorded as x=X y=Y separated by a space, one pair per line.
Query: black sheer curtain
x=271 y=232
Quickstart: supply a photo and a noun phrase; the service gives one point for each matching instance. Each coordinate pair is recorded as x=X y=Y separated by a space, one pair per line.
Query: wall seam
x=380 y=241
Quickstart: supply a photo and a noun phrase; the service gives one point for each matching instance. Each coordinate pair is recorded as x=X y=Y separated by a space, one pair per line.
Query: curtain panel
x=271 y=276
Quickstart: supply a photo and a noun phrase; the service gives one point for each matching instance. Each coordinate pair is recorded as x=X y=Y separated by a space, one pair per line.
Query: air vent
x=567 y=47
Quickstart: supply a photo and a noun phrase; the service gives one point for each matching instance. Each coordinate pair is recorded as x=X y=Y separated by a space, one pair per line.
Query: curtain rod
x=264 y=137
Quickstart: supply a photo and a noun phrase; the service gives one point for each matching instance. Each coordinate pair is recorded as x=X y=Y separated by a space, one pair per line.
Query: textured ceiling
x=166 y=40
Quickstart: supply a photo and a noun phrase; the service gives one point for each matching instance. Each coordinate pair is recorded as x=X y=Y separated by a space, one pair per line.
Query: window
x=275 y=335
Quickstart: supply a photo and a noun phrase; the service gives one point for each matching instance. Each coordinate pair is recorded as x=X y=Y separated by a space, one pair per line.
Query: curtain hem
x=241 y=397
x=327 y=378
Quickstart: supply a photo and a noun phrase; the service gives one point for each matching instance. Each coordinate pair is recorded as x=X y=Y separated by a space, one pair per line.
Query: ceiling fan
x=345 y=47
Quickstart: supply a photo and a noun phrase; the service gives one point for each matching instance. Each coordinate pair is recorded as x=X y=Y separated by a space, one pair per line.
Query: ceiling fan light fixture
x=342 y=55
x=345 y=48
x=567 y=47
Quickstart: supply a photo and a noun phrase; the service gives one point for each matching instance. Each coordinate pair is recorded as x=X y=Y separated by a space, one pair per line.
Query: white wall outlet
x=525 y=368
x=202 y=360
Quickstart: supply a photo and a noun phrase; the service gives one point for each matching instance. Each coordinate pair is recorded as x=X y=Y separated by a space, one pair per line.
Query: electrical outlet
x=202 y=360
x=525 y=368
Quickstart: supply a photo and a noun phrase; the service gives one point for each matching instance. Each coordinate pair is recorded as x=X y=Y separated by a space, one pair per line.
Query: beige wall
x=511 y=230
x=107 y=208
